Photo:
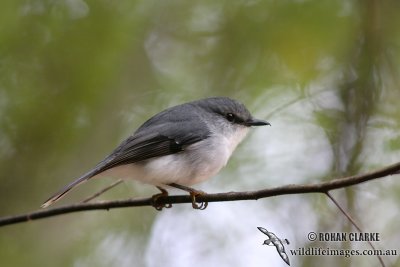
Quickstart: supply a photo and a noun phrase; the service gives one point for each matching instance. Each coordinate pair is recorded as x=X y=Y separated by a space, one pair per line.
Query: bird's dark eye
x=230 y=117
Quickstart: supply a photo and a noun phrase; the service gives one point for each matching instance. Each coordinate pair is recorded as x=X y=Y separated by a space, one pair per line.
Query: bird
x=273 y=240
x=178 y=147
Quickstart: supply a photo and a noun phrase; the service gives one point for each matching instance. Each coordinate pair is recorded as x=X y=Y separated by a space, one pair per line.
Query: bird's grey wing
x=166 y=133
x=136 y=149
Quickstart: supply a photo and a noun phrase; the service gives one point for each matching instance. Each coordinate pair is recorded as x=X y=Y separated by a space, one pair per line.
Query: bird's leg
x=164 y=193
x=193 y=194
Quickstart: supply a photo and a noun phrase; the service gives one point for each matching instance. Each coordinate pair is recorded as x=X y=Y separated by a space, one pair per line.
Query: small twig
x=229 y=196
x=353 y=222
x=102 y=191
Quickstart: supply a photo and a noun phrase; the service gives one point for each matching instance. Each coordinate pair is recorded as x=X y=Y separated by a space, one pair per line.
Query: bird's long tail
x=57 y=196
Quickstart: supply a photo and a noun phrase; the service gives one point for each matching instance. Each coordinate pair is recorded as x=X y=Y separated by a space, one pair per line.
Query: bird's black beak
x=255 y=122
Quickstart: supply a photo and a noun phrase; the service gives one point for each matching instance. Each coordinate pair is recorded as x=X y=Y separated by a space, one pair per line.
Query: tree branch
x=322 y=187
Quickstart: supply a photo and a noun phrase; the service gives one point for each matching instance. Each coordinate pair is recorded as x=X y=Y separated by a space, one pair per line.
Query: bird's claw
x=154 y=200
x=195 y=204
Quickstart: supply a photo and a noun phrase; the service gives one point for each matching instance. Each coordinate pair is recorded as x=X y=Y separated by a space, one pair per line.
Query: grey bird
x=178 y=147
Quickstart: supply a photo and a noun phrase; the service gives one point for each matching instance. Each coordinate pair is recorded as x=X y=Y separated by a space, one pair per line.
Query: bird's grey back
x=185 y=115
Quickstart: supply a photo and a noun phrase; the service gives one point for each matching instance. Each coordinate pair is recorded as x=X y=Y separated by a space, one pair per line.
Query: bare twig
x=323 y=187
x=353 y=222
x=86 y=200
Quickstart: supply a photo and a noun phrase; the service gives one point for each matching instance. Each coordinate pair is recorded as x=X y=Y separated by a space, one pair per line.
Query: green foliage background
x=77 y=76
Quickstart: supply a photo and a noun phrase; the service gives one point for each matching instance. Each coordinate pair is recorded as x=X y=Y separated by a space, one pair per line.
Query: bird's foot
x=157 y=206
x=195 y=204
x=193 y=194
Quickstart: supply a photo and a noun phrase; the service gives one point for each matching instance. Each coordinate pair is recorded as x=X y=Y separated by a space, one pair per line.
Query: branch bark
x=323 y=187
